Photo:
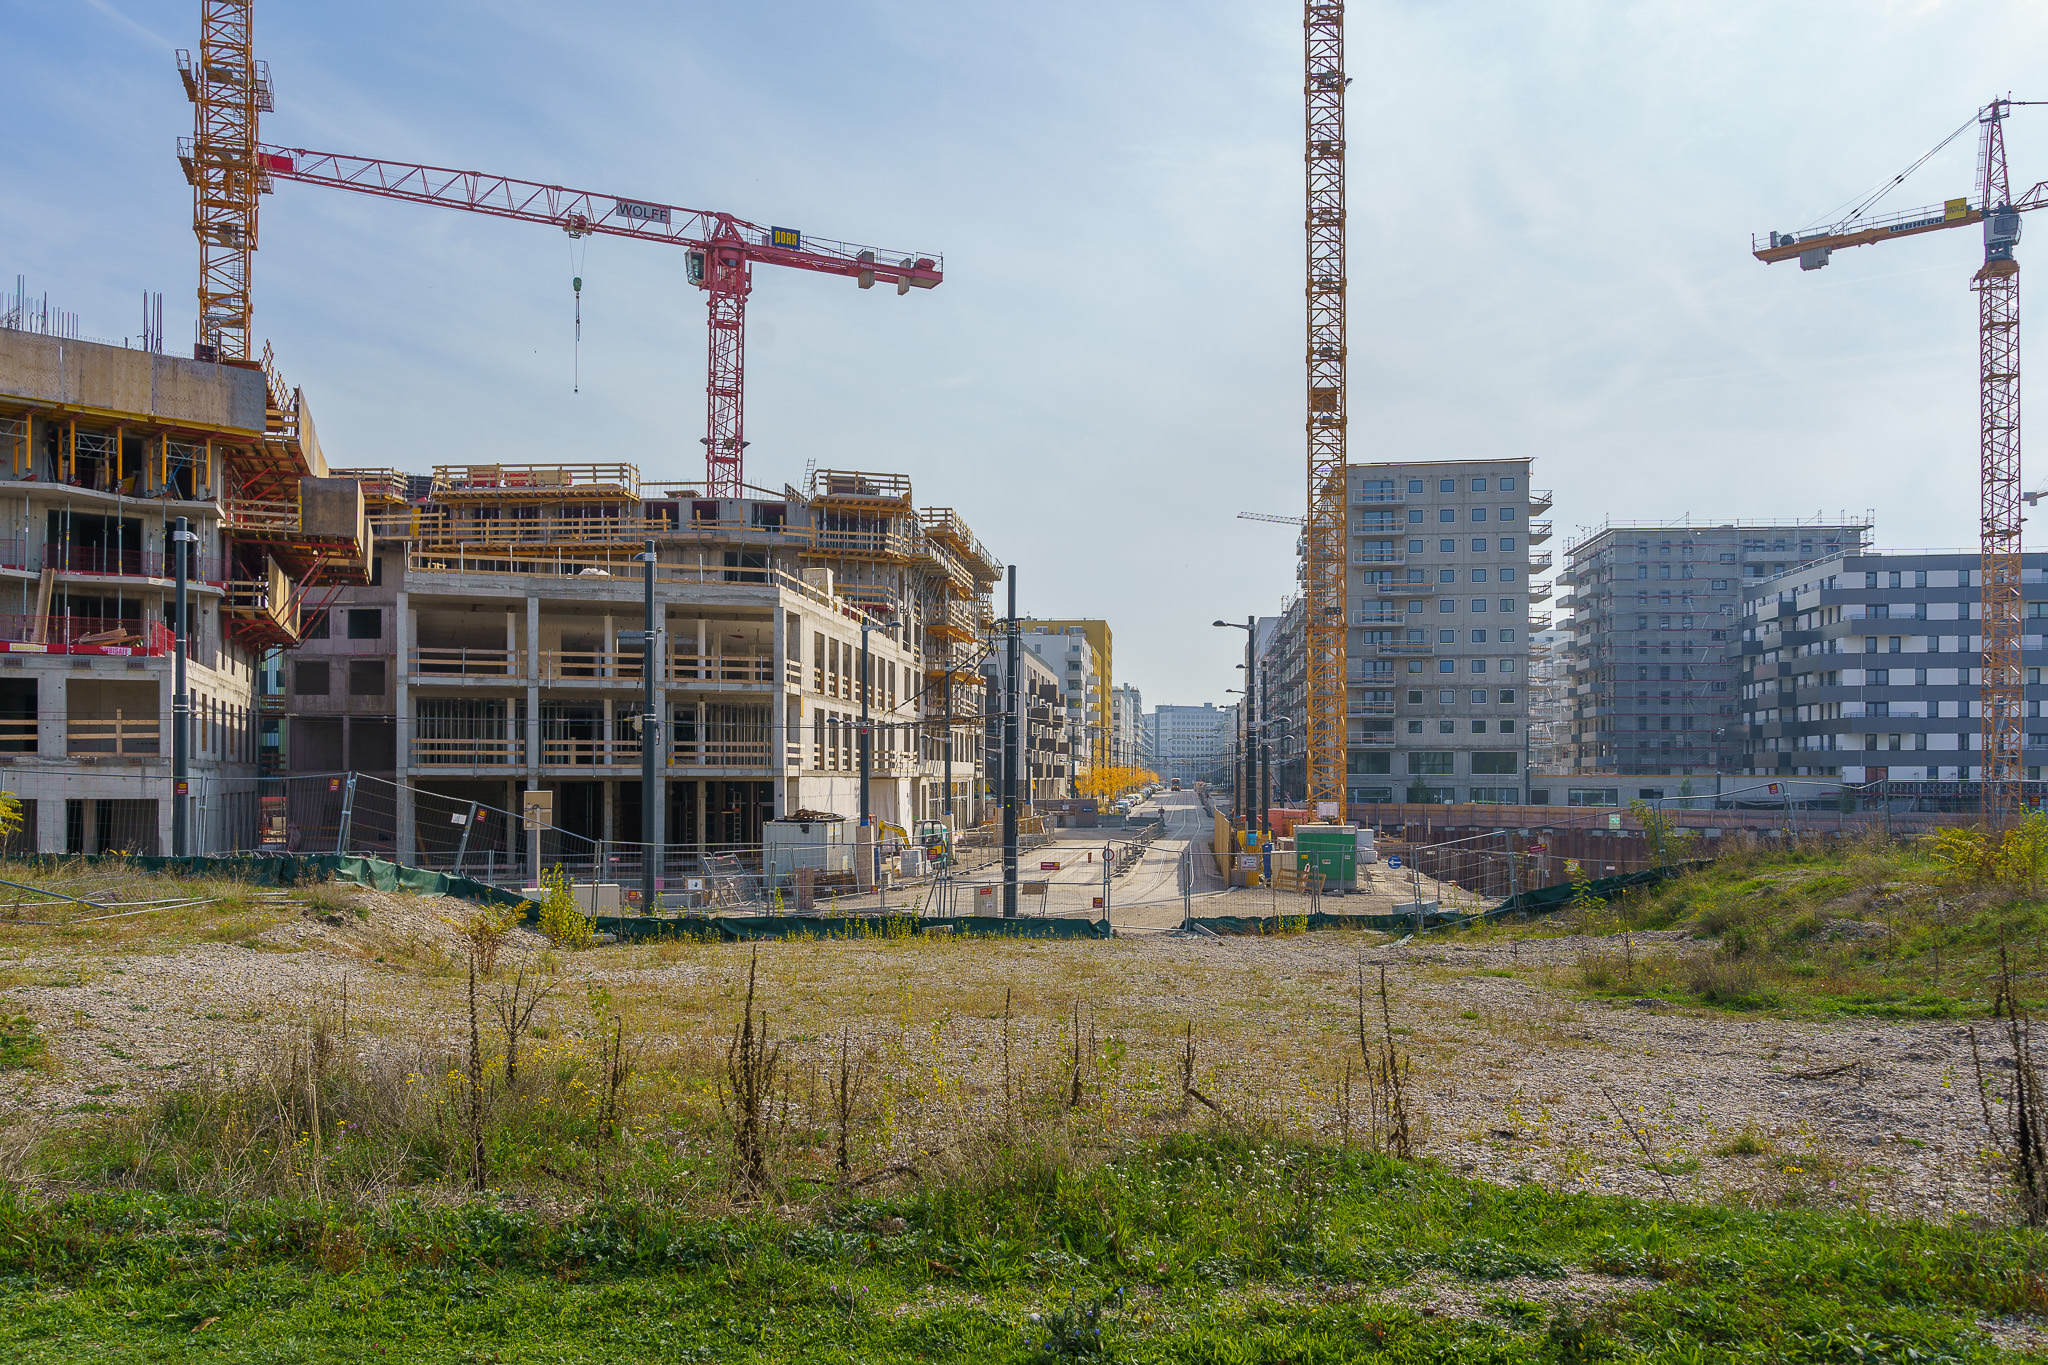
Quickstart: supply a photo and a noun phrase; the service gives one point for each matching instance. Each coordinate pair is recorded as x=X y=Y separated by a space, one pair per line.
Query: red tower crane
x=723 y=252
x=1997 y=287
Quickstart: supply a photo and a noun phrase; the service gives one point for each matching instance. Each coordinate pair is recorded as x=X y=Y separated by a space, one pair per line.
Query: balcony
x=1539 y=592
x=1540 y=563
x=1390 y=650
x=1363 y=499
x=492 y=751
x=1540 y=500
x=1380 y=618
x=530 y=481
x=1369 y=741
x=1370 y=708
x=112 y=734
x=29 y=634
x=458 y=662
x=719 y=667
x=1539 y=531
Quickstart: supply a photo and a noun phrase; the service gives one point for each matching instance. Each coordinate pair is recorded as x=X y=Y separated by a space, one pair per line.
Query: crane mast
x=1324 y=570
x=228 y=88
x=1997 y=286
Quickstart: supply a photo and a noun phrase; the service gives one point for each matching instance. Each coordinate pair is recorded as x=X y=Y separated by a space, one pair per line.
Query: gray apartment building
x=1444 y=558
x=1283 y=697
x=1192 y=743
x=1652 y=662
x=1865 y=667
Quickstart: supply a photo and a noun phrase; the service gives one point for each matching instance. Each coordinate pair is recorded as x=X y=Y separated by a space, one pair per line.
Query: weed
x=20 y=1045
x=561 y=919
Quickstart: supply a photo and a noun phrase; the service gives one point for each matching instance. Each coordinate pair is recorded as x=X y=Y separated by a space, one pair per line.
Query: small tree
x=1668 y=843
x=1584 y=899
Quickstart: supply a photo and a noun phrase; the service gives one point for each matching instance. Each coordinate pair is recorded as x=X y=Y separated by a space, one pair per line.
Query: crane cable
x=578 y=252
x=1863 y=205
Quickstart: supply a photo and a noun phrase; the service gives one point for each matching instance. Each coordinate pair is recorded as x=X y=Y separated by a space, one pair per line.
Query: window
x=1919 y=578
x=1892 y=644
x=1642 y=571
x=1417 y=576
x=376 y=571
x=1507 y=544
x=1720 y=585
x=1447 y=637
x=1507 y=514
x=1479 y=604
x=1415 y=547
x=1446 y=697
x=1478 y=637
x=1507 y=696
x=1447 y=486
x=1445 y=606
x=1479 y=575
x=1415 y=665
x=1663 y=571
x=1447 y=665
x=1478 y=485
x=1418 y=637
x=1478 y=727
x=1507 y=727
x=1506 y=666
x=1880 y=677
x=1369 y=763
x=1507 y=637
x=1414 y=516
x=1895 y=578
x=366 y=677
x=366 y=623
x=1447 y=514
x=318 y=630
x=1414 y=485
x=1479 y=665
x=1479 y=545
x=1507 y=604
x=309 y=677
x=1479 y=514
x=1504 y=761
x=1507 y=483
x=1446 y=575
x=1414 y=727
x=1415 y=696
x=1448 y=547
x=1447 y=727
x=1479 y=696
x=1430 y=763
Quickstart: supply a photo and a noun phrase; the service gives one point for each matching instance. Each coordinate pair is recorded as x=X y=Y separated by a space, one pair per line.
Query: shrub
x=561 y=919
x=1720 y=979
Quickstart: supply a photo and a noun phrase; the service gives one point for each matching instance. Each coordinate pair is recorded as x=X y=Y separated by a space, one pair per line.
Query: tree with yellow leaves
x=1107 y=784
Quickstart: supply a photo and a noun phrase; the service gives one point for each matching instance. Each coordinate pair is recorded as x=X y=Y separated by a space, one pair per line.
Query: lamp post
x=181 y=700
x=652 y=804
x=867 y=687
x=1250 y=627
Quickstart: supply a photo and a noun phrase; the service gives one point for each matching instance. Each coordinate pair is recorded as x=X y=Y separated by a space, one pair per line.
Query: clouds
x=1551 y=207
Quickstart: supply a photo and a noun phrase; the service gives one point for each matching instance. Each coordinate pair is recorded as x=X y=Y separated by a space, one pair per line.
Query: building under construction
x=488 y=654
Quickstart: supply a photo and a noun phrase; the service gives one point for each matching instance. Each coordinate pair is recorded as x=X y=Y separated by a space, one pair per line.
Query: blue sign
x=1394 y=861
x=786 y=237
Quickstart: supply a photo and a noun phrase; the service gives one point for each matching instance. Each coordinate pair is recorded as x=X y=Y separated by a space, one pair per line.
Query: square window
x=1447 y=486
x=1478 y=485
x=1415 y=696
x=1479 y=665
x=1445 y=606
x=1479 y=604
x=309 y=678
x=1479 y=575
x=1447 y=665
x=1415 y=547
x=1418 y=637
x=1479 y=696
x=1507 y=637
x=1507 y=514
x=1415 y=665
x=1507 y=666
x=318 y=629
x=1414 y=485
x=365 y=623
x=1507 y=483
x=1448 y=547
x=1446 y=697
x=1478 y=727
x=1479 y=514
x=1414 y=727
x=1506 y=575
x=366 y=677
x=1446 y=575
x=1417 y=576
x=1447 y=727
x=1447 y=637
x=1479 y=546
x=1447 y=514
x=1507 y=727
x=1507 y=544
x=1507 y=696
x=1414 y=515
x=1478 y=637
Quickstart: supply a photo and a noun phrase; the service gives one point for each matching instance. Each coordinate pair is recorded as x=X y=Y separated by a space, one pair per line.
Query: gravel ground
x=1518 y=1080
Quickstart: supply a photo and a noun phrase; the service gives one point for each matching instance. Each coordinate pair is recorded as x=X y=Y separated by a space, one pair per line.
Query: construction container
x=1328 y=850
x=824 y=842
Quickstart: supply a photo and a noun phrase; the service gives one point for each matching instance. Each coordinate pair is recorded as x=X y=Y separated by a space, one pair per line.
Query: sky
x=1551 y=209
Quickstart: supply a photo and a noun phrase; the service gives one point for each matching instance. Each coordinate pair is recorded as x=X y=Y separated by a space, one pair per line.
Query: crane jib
x=640 y=213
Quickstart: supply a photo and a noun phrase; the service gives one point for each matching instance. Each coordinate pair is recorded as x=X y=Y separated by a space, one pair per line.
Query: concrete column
x=703 y=793
x=533 y=636
x=407 y=627
x=533 y=754
x=49 y=829
x=778 y=711
x=52 y=706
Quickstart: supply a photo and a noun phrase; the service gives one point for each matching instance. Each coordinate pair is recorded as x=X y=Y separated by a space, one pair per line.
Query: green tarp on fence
x=1542 y=901
x=295 y=869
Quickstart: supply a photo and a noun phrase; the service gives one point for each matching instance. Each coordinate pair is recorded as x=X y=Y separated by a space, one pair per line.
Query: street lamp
x=1250 y=629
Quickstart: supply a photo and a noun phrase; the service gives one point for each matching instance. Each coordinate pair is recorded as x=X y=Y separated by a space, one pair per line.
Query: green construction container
x=1331 y=850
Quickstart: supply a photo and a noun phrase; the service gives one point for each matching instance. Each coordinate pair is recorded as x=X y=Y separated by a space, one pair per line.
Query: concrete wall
x=121 y=382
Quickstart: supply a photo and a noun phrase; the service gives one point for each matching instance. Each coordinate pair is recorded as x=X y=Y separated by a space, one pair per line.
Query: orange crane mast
x=1323 y=569
x=1996 y=285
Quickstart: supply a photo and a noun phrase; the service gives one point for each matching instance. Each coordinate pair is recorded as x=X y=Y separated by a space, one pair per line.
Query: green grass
x=20 y=1045
x=1861 y=930
x=1200 y=1249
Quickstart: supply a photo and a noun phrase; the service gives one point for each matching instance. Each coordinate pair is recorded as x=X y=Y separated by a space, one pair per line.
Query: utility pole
x=1011 y=665
x=652 y=802
x=949 y=747
x=181 y=702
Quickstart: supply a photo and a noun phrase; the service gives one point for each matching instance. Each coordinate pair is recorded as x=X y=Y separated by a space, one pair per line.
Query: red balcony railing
x=29 y=634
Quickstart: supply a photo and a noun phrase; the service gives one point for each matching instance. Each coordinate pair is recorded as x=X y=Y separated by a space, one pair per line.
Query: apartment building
x=1444 y=563
x=1549 y=705
x=490 y=654
x=102 y=450
x=1651 y=664
x=1192 y=743
x=1866 y=667
x=1283 y=698
x=1079 y=651
x=1128 y=748
x=1047 y=743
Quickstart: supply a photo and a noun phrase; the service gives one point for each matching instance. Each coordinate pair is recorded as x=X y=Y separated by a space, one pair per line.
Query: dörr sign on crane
x=1996 y=284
